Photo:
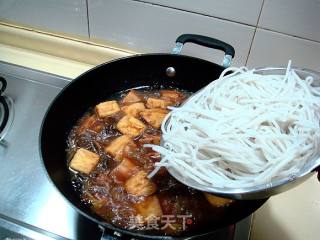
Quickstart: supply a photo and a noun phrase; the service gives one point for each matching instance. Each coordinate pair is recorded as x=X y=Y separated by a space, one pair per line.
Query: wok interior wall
x=263 y=32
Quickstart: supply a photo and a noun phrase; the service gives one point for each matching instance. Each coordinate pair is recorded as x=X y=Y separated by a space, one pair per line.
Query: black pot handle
x=3 y=102
x=206 y=42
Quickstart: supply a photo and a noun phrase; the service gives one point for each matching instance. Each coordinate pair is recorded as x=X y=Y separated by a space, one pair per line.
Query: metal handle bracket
x=207 y=42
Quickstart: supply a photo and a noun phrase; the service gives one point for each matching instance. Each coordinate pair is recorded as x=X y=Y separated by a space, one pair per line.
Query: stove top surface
x=30 y=206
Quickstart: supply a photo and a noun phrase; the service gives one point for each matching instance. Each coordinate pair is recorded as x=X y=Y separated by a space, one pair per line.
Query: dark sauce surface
x=104 y=192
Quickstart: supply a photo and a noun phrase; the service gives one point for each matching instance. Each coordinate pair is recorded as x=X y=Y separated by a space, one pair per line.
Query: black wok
x=94 y=86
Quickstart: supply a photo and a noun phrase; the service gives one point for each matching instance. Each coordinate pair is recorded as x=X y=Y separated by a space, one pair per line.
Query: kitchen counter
x=291 y=215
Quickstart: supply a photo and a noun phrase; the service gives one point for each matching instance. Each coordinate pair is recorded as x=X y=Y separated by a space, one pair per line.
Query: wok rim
x=105 y=225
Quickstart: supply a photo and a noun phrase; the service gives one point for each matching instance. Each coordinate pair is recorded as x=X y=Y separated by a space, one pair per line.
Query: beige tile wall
x=266 y=32
x=232 y=10
x=292 y=17
x=274 y=49
x=147 y=28
x=57 y=16
x=263 y=32
x=287 y=29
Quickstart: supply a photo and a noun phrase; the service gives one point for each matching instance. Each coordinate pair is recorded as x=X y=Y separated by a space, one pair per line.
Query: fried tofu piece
x=124 y=170
x=84 y=161
x=217 y=201
x=107 y=108
x=133 y=109
x=140 y=185
x=149 y=207
x=151 y=139
x=154 y=116
x=130 y=126
x=117 y=146
x=170 y=94
x=157 y=103
x=132 y=97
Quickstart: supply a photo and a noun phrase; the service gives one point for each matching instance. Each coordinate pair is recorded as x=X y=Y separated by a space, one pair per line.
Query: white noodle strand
x=243 y=129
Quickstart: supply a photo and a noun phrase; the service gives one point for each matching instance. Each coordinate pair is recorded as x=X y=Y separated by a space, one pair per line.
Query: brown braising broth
x=114 y=195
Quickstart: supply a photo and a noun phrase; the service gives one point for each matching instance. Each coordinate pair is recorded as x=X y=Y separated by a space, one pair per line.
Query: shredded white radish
x=243 y=130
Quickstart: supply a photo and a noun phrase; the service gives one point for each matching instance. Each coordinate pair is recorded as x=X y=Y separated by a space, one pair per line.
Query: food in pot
x=217 y=201
x=84 y=161
x=109 y=166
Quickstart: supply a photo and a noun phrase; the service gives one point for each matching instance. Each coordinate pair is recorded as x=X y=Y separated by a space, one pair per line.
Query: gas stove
x=6 y=110
x=30 y=206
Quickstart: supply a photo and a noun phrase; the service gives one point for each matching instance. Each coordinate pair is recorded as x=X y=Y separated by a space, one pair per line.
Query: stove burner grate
x=6 y=110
